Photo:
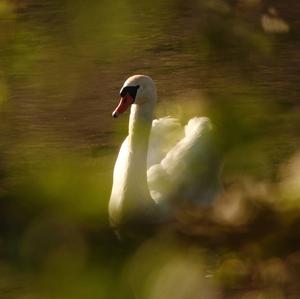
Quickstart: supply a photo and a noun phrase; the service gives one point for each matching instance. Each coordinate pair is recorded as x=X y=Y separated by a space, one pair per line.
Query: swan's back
x=190 y=170
x=165 y=133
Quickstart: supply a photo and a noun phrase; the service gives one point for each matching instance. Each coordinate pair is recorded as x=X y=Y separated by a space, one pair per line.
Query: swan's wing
x=190 y=170
x=165 y=133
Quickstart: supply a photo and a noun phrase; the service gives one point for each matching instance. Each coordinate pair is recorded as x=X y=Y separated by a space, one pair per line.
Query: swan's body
x=180 y=165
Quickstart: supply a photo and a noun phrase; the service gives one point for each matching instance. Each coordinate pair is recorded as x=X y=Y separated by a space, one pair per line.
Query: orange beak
x=124 y=103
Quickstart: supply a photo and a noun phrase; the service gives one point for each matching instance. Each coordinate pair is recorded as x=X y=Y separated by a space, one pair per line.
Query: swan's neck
x=139 y=127
x=130 y=194
x=138 y=137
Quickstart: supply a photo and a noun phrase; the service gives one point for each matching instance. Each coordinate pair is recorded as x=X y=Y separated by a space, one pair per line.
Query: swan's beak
x=125 y=102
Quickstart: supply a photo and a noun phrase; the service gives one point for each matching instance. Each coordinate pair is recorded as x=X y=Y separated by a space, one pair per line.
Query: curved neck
x=140 y=123
x=130 y=194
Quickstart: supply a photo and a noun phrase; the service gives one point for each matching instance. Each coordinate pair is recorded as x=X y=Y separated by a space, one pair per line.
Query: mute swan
x=180 y=165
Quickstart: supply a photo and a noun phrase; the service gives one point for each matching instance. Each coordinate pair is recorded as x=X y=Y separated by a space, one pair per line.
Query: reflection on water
x=62 y=65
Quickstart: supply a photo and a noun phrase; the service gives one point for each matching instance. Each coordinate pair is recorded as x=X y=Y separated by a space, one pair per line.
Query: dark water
x=62 y=65
x=64 y=61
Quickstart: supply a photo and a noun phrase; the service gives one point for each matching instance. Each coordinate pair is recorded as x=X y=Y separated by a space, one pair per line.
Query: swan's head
x=138 y=90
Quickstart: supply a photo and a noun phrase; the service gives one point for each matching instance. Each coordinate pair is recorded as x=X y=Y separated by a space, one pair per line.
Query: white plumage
x=161 y=164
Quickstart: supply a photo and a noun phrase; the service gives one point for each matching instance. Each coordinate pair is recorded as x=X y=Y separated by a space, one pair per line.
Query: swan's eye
x=123 y=92
x=131 y=90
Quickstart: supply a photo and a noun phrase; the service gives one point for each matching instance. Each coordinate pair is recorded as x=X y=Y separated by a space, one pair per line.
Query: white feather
x=165 y=133
x=181 y=172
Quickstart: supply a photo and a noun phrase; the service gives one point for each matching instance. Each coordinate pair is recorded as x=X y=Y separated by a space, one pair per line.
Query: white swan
x=181 y=165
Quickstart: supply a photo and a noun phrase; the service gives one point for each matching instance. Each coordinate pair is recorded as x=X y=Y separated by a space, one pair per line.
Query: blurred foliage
x=62 y=64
